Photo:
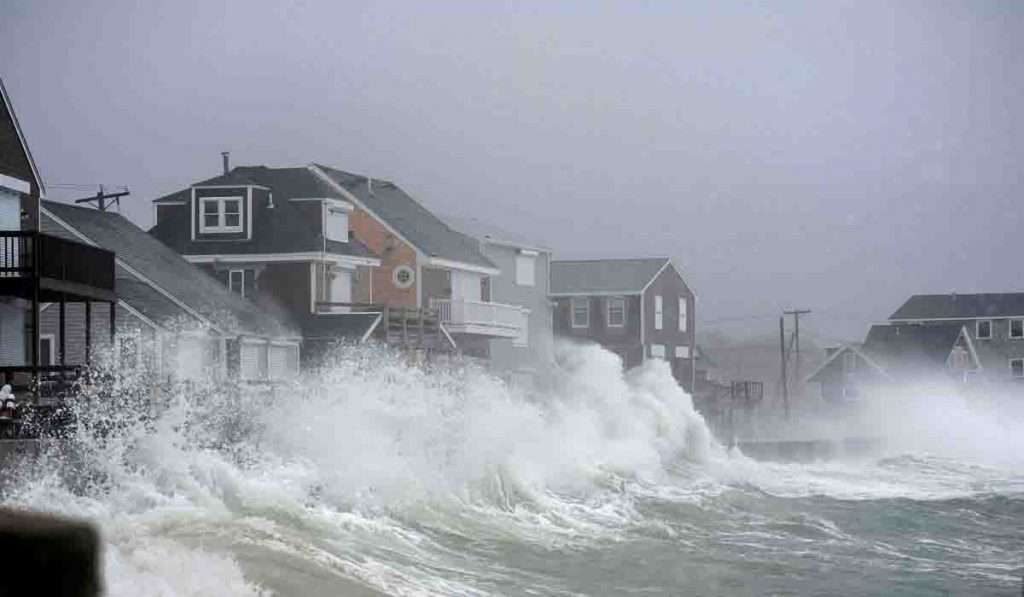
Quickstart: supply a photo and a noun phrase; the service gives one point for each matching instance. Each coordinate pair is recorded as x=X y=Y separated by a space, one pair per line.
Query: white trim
x=53 y=346
x=338 y=204
x=970 y=347
x=659 y=312
x=312 y=287
x=221 y=227
x=458 y=265
x=248 y=214
x=840 y=350
x=927 y=319
x=1009 y=328
x=608 y=311
x=297 y=199
x=15 y=184
x=596 y=293
x=667 y=263
x=24 y=143
x=192 y=213
x=572 y=315
x=529 y=252
x=230 y=186
x=490 y=240
x=372 y=328
x=139 y=315
x=132 y=271
x=355 y=201
x=241 y=289
x=334 y=258
x=399 y=284
x=977 y=327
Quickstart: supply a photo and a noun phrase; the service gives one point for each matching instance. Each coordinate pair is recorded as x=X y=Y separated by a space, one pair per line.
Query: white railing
x=497 y=318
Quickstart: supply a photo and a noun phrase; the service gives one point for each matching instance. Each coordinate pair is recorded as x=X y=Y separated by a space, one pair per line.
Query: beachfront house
x=174 y=322
x=344 y=254
x=38 y=268
x=638 y=308
x=524 y=283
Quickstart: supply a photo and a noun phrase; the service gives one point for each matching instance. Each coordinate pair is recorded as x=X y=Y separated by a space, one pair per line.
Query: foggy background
x=831 y=156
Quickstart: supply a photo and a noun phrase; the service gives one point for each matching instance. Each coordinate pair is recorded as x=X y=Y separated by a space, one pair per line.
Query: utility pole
x=782 y=360
x=101 y=198
x=796 y=313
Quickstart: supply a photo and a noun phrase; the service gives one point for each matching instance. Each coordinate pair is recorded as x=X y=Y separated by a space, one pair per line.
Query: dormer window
x=220 y=214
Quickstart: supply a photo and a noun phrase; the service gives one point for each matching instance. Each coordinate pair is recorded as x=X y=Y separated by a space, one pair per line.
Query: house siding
x=74 y=324
x=623 y=341
x=994 y=353
x=670 y=286
x=394 y=252
x=14 y=162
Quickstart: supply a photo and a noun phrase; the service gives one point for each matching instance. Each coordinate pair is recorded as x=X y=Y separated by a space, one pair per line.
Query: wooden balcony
x=398 y=326
x=48 y=268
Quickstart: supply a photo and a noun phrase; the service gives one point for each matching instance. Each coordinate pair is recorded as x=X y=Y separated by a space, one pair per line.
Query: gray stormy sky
x=836 y=156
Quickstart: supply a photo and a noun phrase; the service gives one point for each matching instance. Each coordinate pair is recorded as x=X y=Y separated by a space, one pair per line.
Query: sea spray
x=376 y=475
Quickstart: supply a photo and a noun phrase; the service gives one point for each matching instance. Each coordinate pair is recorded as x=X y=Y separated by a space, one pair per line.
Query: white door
x=465 y=286
x=341 y=286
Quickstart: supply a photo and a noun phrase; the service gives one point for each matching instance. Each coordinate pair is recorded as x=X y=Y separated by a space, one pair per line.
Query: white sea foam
x=358 y=470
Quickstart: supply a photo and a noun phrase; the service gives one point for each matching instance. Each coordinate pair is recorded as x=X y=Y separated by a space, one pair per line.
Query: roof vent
x=270 y=200
x=226 y=157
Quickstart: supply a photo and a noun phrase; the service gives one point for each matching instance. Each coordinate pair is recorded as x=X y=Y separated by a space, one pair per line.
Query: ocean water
x=378 y=478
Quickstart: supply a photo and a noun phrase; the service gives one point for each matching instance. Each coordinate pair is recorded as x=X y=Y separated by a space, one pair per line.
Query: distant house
x=173 y=321
x=994 y=324
x=894 y=355
x=329 y=246
x=637 y=308
x=35 y=267
x=524 y=282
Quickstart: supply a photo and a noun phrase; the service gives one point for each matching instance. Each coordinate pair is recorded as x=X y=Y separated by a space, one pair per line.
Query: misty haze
x=494 y=298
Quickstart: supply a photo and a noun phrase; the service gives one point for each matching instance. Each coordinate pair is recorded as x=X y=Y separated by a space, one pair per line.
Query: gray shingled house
x=637 y=308
x=173 y=320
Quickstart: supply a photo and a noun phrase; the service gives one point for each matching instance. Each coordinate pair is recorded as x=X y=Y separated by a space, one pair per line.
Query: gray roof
x=907 y=347
x=487 y=231
x=961 y=306
x=628 y=276
x=280 y=230
x=168 y=270
x=413 y=221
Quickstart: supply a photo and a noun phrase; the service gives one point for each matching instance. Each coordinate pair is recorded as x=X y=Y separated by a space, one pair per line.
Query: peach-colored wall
x=393 y=252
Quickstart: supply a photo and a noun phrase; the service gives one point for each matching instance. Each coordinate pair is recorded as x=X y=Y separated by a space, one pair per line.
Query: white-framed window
x=659 y=315
x=1017 y=368
x=336 y=221
x=616 y=312
x=252 y=357
x=682 y=314
x=1016 y=330
x=682 y=352
x=580 y=312
x=236 y=281
x=983 y=329
x=526 y=266
x=658 y=351
x=220 y=214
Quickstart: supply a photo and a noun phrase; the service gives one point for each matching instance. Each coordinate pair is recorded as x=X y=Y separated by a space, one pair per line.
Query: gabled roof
x=280 y=230
x=906 y=348
x=149 y=271
x=415 y=223
x=961 y=306
x=15 y=157
x=839 y=351
x=604 y=276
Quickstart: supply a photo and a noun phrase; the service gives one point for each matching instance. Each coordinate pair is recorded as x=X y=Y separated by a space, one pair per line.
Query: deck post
x=113 y=322
x=88 y=333
x=62 y=331
x=36 y=258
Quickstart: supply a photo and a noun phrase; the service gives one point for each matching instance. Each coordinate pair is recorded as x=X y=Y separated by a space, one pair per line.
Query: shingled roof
x=604 y=276
x=280 y=230
x=906 y=348
x=428 y=233
x=961 y=306
x=165 y=269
